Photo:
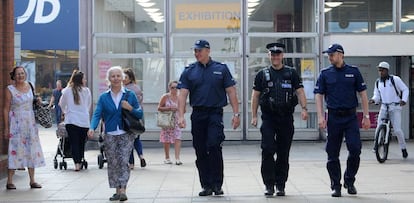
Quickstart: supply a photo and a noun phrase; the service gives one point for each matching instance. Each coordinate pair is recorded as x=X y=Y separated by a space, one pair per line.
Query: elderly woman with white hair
x=118 y=142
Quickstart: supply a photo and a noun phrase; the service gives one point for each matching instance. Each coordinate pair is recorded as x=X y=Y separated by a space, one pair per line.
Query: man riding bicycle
x=391 y=89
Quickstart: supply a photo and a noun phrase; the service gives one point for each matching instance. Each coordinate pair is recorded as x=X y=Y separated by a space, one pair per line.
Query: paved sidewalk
x=308 y=181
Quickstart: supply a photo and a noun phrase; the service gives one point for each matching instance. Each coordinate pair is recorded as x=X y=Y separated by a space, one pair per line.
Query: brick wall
x=6 y=64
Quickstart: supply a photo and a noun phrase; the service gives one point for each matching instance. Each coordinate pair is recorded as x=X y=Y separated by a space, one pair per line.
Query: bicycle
x=383 y=135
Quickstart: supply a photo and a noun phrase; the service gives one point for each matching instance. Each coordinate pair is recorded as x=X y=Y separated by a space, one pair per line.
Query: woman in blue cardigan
x=118 y=143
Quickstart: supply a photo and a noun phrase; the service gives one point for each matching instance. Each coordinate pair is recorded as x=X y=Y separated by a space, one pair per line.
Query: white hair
x=113 y=68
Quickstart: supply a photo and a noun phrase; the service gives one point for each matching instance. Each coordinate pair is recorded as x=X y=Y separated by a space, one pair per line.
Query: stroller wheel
x=55 y=164
x=85 y=164
x=100 y=161
x=60 y=165
x=65 y=165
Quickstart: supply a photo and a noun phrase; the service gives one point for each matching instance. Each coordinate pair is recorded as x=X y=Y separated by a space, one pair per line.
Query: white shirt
x=386 y=93
x=76 y=114
x=116 y=98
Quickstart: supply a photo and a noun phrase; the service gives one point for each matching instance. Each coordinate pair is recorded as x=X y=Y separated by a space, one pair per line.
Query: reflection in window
x=281 y=16
x=219 y=44
x=407 y=16
x=129 y=16
x=200 y=16
x=358 y=16
x=293 y=45
x=116 y=45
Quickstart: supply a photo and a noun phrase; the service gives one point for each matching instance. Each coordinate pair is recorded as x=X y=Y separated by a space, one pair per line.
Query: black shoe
x=205 y=192
x=218 y=191
x=123 y=197
x=143 y=163
x=280 y=191
x=270 y=190
x=115 y=197
x=404 y=153
x=351 y=189
x=336 y=193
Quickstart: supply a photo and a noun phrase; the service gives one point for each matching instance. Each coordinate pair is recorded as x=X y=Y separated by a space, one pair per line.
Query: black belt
x=206 y=108
x=342 y=112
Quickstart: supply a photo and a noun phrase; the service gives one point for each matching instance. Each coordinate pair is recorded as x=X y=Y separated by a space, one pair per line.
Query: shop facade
x=47 y=32
x=154 y=37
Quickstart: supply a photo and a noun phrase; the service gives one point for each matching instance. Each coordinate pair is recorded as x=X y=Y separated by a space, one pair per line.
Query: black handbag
x=131 y=123
x=43 y=114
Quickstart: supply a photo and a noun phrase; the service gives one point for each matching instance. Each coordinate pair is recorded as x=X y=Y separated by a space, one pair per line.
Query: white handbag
x=166 y=119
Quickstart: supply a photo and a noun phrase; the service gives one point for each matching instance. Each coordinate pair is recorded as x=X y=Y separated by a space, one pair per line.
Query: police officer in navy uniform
x=338 y=84
x=276 y=89
x=208 y=83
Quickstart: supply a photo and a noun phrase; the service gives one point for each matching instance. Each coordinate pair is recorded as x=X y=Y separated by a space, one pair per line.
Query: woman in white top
x=76 y=104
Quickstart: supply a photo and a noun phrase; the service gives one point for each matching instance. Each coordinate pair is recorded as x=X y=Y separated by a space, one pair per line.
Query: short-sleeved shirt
x=340 y=85
x=207 y=83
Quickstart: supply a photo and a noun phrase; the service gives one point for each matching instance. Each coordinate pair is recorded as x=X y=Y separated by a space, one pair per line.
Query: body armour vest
x=279 y=94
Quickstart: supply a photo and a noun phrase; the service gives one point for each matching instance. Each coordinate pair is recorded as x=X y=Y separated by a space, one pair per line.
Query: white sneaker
x=167 y=161
x=178 y=162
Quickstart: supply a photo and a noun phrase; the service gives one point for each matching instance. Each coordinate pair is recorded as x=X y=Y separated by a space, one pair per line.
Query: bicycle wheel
x=381 y=148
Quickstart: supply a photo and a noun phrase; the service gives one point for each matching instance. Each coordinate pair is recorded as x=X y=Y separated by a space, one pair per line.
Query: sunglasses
x=174 y=87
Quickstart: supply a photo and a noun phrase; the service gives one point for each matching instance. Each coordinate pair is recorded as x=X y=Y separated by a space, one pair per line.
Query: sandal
x=35 y=185
x=10 y=186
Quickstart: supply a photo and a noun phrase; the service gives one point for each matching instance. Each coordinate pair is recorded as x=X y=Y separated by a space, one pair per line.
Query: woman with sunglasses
x=169 y=102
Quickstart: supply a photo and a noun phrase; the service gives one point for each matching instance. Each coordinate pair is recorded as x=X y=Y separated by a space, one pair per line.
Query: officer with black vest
x=276 y=89
x=338 y=84
x=208 y=83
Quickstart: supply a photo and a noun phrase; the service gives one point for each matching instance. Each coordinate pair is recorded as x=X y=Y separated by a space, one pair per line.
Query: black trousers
x=277 y=133
x=77 y=138
x=208 y=134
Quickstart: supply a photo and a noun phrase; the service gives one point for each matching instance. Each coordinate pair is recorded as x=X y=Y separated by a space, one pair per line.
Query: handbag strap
x=31 y=86
x=126 y=95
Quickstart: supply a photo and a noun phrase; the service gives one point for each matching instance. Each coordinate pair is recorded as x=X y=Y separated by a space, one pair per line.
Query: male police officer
x=277 y=89
x=390 y=89
x=207 y=82
x=339 y=83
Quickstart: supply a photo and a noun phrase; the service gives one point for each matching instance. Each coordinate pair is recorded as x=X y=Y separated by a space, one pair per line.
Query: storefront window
x=281 y=16
x=115 y=44
x=45 y=67
x=358 y=16
x=129 y=16
x=407 y=16
x=220 y=44
x=200 y=16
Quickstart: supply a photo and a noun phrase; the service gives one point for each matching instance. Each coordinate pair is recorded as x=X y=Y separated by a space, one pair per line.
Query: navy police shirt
x=339 y=85
x=207 y=83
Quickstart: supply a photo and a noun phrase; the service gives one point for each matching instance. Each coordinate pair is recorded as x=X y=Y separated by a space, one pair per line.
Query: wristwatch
x=236 y=114
x=366 y=116
x=304 y=108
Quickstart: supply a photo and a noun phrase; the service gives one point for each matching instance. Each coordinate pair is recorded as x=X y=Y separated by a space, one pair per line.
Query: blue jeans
x=58 y=115
x=138 y=147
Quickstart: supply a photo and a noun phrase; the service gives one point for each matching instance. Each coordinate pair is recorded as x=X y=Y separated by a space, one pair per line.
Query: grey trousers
x=117 y=151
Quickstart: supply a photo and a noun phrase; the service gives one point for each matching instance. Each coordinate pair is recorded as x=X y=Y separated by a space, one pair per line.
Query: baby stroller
x=64 y=149
x=101 y=156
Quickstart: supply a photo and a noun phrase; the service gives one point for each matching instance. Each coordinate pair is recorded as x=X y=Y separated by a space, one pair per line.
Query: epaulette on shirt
x=352 y=66
x=326 y=68
x=192 y=65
